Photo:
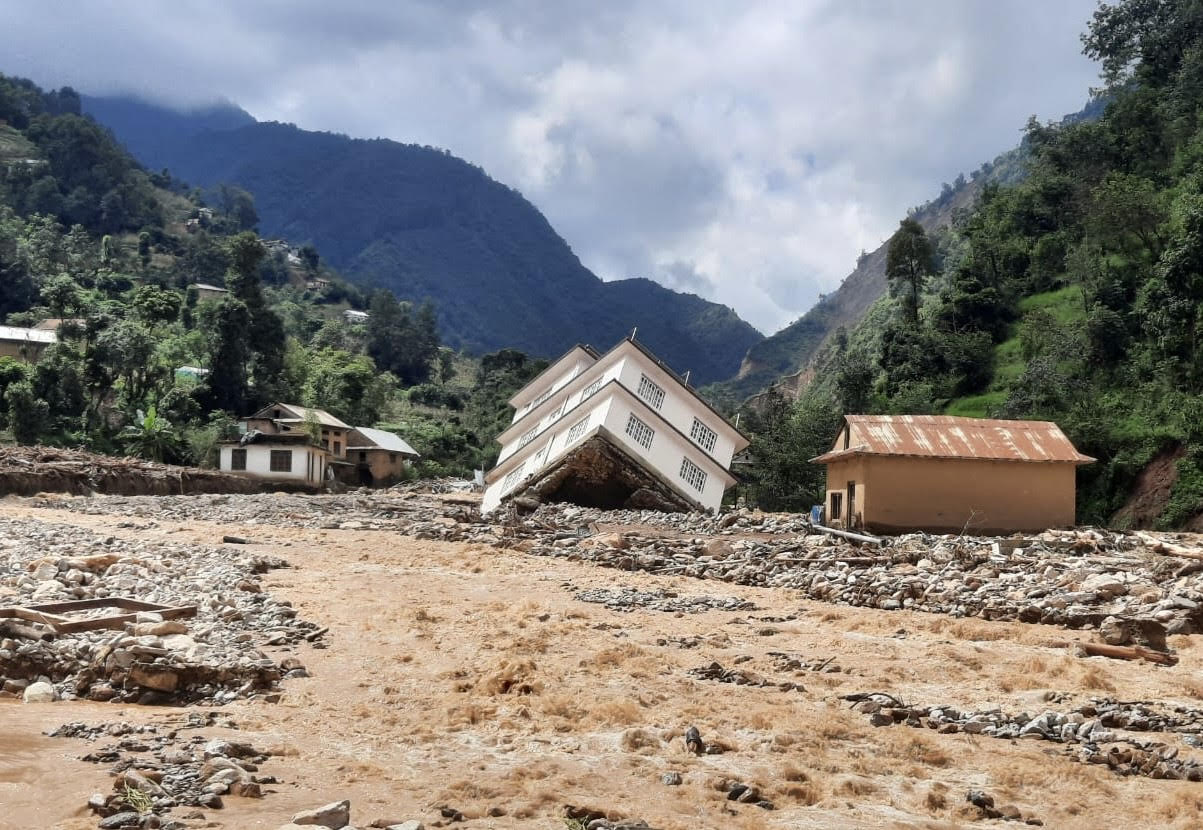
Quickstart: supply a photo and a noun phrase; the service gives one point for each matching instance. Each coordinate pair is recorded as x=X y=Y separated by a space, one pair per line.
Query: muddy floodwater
x=503 y=686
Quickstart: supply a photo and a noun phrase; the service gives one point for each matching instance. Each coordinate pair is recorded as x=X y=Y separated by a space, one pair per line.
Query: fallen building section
x=600 y=474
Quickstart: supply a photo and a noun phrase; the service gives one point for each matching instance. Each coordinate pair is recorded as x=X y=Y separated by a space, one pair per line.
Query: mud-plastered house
x=897 y=473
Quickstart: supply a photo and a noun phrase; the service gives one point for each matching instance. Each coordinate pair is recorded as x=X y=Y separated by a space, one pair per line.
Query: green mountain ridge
x=428 y=225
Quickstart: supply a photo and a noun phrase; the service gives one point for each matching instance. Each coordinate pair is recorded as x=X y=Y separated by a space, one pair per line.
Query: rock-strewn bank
x=214 y=656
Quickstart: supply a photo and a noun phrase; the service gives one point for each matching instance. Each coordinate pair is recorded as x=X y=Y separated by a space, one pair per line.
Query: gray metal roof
x=380 y=439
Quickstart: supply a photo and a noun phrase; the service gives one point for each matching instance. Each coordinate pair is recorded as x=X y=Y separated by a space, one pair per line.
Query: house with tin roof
x=901 y=473
x=25 y=344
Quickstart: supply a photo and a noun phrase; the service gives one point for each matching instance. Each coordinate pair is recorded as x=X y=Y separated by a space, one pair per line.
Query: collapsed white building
x=614 y=430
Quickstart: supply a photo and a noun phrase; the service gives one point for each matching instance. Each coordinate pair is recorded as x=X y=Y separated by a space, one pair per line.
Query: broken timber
x=845 y=534
x=50 y=614
x=1161 y=658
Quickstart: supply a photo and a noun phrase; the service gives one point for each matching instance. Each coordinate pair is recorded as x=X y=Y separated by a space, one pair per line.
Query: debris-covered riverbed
x=625 y=669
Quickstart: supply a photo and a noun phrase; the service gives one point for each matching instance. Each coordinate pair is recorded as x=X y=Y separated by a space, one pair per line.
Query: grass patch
x=1064 y=305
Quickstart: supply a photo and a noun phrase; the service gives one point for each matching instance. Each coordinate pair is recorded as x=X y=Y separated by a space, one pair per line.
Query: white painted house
x=632 y=401
x=287 y=441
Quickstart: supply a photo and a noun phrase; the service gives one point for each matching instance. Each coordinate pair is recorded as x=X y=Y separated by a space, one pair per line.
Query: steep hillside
x=785 y=360
x=428 y=225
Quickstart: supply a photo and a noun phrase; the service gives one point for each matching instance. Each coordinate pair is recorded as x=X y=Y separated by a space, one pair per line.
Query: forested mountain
x=428 y=225
x=1074 y=295
x=108 y=257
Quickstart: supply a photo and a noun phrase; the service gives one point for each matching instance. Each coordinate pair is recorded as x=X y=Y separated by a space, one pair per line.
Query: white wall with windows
x=665 y=449
x=565 y=404
x=265 y=460
x=677 y=406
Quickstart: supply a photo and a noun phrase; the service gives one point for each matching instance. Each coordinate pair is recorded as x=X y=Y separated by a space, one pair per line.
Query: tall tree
x=909 y=261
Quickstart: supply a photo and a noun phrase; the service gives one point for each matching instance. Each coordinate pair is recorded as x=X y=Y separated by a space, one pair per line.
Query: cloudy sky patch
x=746 y=152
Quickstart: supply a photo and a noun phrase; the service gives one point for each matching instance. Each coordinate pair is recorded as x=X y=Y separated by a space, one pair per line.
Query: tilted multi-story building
x=659 y=440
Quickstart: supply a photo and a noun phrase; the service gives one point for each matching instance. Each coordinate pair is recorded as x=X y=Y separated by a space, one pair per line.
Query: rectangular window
x=837 y=505
x=640 y=431
x=512 y=478
x=237 y=459
x=281 y=461
x=392 y=458
x=542 y=397
x=338 y=448
x=527 y=437
x=555 y=413
x=650 y=392
x=703 y=435
x=590 y=390
x=578 y=429
x=363 y=457
x=693 y=475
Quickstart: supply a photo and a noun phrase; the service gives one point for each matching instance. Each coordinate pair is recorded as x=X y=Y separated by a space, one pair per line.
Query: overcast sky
x=745 y=151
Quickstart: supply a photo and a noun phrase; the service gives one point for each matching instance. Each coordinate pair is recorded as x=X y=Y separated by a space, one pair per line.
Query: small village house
x=353 y=317
x=379 y=457
x=25 y=344
x=899 y=473
x=204 y=292
x=645 y=434
x=287 y=441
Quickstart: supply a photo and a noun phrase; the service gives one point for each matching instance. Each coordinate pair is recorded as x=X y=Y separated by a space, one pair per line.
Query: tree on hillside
x=239 y=206
x=400 y=342
x=909 y=261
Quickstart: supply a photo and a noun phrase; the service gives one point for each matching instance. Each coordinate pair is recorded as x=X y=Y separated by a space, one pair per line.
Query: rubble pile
x=1097 y=731
x=214 y=656
x=625 y=599
x=158 y=769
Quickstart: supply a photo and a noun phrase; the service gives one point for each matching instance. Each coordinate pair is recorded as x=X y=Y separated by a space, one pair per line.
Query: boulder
x=39 y=693
x=335 y=815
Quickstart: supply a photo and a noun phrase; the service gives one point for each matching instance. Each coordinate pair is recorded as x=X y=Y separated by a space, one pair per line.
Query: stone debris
x=215 y=657
x=1008 y=812
x=157 y=769
x=627 y=599
x=715 y=671
x=1094 y=733
x=1076 y=579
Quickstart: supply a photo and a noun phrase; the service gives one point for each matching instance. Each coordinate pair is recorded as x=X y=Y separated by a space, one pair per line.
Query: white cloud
x=747 y=152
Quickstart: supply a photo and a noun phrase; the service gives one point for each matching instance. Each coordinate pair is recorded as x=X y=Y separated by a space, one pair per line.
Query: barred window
x=640 y=431
x=591 y=390
x=542 y=397
x=281 y=461
x=578 y=429
x=512 y=478
x=703 y=435
x=693 y=475
x=555 y=413
x=650 y=392
x=237 y=459
x=527 y=437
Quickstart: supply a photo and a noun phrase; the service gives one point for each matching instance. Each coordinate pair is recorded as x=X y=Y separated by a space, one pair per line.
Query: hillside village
x=292 y=534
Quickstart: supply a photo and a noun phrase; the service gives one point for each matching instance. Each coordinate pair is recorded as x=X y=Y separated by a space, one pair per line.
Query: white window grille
x=591 y=390
x=693 y=475
x=555 y=413
x=703 y=435
x=527 y=437
x=640 y=431
x=578 y=429
x=542 y=397
x=650 y=392
x=513 y=477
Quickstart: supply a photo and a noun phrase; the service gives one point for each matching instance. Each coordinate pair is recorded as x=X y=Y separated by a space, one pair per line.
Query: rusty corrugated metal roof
x=946 y=436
